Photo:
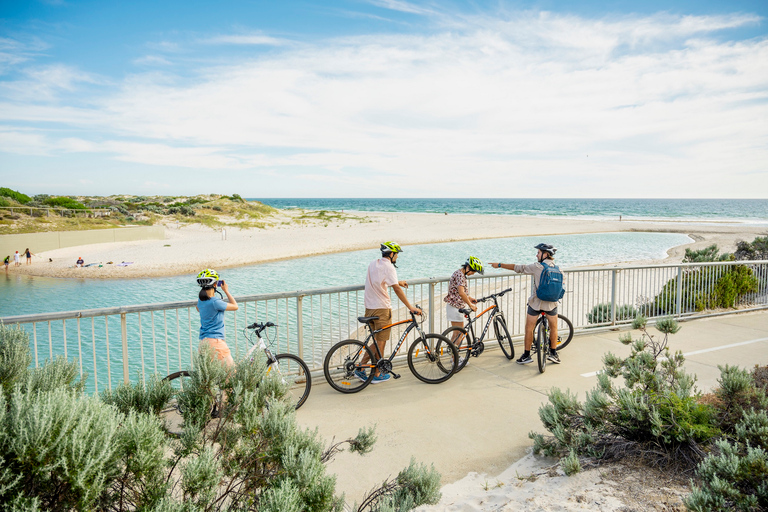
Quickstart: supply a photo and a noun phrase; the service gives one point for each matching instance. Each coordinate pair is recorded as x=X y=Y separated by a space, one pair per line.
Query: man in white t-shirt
x=380 y=277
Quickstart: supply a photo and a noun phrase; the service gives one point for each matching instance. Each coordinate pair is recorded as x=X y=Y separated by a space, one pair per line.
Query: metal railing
x=121 y=344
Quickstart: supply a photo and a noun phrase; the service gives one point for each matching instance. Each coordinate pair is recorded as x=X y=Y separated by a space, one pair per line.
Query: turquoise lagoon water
x=99 y=347
x=21 y=295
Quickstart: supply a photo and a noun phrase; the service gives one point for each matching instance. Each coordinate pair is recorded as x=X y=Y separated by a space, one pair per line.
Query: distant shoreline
x=188 y=248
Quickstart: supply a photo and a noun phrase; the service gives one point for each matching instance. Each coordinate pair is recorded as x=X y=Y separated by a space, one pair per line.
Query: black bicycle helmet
x=546 y=248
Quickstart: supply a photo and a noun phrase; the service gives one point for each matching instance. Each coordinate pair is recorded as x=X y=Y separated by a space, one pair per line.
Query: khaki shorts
x=221 y=350
x=385 y=318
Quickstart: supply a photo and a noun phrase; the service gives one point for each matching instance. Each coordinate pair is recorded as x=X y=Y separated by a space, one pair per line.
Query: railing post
x=679 y=294
x=124 y=334
x=300 y=325
x=613 y=296
x=431 y=307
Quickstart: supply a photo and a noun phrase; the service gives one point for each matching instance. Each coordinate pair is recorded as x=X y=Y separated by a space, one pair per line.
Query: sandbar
x=187 y=248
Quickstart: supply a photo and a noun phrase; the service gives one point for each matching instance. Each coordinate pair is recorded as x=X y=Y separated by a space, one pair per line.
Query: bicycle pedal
x=395 y=375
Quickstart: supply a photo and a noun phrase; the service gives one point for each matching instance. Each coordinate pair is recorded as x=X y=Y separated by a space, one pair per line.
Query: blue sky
x=391 y=98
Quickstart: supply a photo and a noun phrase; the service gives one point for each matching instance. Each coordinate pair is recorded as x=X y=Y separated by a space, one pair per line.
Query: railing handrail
x=159 y=306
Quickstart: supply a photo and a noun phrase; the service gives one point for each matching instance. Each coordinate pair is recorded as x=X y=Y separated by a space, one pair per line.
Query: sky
x=385 y=98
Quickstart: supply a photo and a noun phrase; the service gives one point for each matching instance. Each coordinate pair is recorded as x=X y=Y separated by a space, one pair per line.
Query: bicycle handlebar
x=261 y=326
x=494 y=295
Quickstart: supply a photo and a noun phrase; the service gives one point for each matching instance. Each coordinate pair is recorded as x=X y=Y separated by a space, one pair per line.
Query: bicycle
x=432 y=358
x=291 y=369
x=467 y=342
x=541 y=338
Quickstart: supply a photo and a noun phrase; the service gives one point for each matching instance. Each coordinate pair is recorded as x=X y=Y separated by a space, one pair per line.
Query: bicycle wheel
x=342 y=363
x=295 y=373
x=542 y=349
x=177 y=380
x=459 y=337
x=564 y=331
x=503 y=337
x=433 y=358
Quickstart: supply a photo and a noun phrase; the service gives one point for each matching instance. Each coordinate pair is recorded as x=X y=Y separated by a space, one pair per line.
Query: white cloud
x=654 y=101
x=152 y=60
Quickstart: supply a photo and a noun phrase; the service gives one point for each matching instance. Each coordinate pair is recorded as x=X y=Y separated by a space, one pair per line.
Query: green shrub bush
x=64 y=202
x=757 y=250
x=16 y=196
x=602 y=313
x=62 y=450
x=655 y=411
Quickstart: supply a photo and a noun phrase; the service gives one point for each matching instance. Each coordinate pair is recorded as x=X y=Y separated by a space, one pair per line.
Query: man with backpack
x=547 y=290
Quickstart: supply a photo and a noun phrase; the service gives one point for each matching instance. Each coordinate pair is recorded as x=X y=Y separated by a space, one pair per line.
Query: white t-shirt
x=381 y=275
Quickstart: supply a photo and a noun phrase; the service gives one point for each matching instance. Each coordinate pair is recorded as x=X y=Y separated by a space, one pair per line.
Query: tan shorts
x=385 y=318
x=221 y=350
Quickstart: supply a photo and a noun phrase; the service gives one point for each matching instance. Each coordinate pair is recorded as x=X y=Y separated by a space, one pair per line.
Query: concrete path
x=479 y=420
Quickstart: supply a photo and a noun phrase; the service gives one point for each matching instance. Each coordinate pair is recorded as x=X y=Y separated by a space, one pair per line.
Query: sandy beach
x=188 y=248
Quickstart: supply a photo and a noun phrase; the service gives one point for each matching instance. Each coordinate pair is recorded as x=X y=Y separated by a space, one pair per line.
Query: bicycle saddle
x=366 y=319
x=465 y=311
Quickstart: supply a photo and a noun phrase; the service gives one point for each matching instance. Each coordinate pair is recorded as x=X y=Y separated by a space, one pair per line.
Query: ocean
x=751 y=211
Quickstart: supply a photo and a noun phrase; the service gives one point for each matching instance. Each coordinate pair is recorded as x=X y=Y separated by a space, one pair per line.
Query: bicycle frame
x=371 y=336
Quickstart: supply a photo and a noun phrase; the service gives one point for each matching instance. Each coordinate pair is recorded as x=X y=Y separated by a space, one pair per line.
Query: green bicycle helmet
x=390 y=247
x=475 y=265
x=207 y=277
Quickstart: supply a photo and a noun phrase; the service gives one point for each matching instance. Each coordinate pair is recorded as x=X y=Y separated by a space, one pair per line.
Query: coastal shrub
x=757 y=250
x=656 y=410
x=64 y=202
x=16 y=196
x=707 y=254
x=237 y=198
x=704 y=288
x=4 y=202
x=183 y=209
x=63 y=450
x=149 y=398
x=14 y=357
x=602 y=313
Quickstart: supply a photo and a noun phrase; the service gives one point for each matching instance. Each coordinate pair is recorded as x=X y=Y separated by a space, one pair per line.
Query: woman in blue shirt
x=212 y=310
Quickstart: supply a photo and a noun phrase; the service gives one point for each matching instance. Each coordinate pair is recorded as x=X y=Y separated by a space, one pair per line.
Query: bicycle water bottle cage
x=366 y=319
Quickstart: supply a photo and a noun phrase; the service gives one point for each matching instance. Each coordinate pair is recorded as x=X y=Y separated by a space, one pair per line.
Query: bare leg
x=552 y=331
x=530 y=323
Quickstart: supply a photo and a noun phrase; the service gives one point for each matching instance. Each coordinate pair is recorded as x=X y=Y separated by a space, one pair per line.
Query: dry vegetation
x=214 y=211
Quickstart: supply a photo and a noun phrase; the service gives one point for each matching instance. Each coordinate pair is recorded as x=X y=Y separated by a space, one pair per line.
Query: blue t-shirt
x=212 y=318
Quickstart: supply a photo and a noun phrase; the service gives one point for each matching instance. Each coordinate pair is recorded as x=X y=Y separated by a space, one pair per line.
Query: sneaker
x=360 y=374
x=381 y=378
x=553 y=358
x=524 y=359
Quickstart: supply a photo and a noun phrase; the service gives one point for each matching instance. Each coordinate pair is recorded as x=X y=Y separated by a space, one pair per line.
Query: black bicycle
x=541 y=342
x=468 y=344
x=350 y=365
x=291 y=369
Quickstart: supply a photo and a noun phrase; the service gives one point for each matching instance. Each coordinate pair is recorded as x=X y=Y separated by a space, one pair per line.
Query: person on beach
x=80 y=261
x=544 y=256
x=7 y=261
x=16 y=262
x=212 y=310
x=458 y=293
x=29 y=255
x=380 y=277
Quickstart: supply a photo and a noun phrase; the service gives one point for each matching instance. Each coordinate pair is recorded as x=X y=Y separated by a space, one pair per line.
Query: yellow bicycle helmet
x=390 y=247
x=475 y=265
x=207 y=277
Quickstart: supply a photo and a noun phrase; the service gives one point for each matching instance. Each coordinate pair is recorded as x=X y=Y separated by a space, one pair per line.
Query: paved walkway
x=479 y=420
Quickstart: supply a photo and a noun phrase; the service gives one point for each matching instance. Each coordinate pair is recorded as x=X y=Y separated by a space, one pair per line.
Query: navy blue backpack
x=550 y=284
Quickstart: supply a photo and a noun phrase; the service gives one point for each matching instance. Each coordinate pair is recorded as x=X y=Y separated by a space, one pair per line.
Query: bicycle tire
x=462 y=343
x=542 y=340
x=433 y=359
x=295 y=372
x=563 y=324
x=177 y=381
x=503 y=337
x=342 y=361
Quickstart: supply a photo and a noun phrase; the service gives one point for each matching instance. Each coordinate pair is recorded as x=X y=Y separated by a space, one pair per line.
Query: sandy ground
x=188 y=248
